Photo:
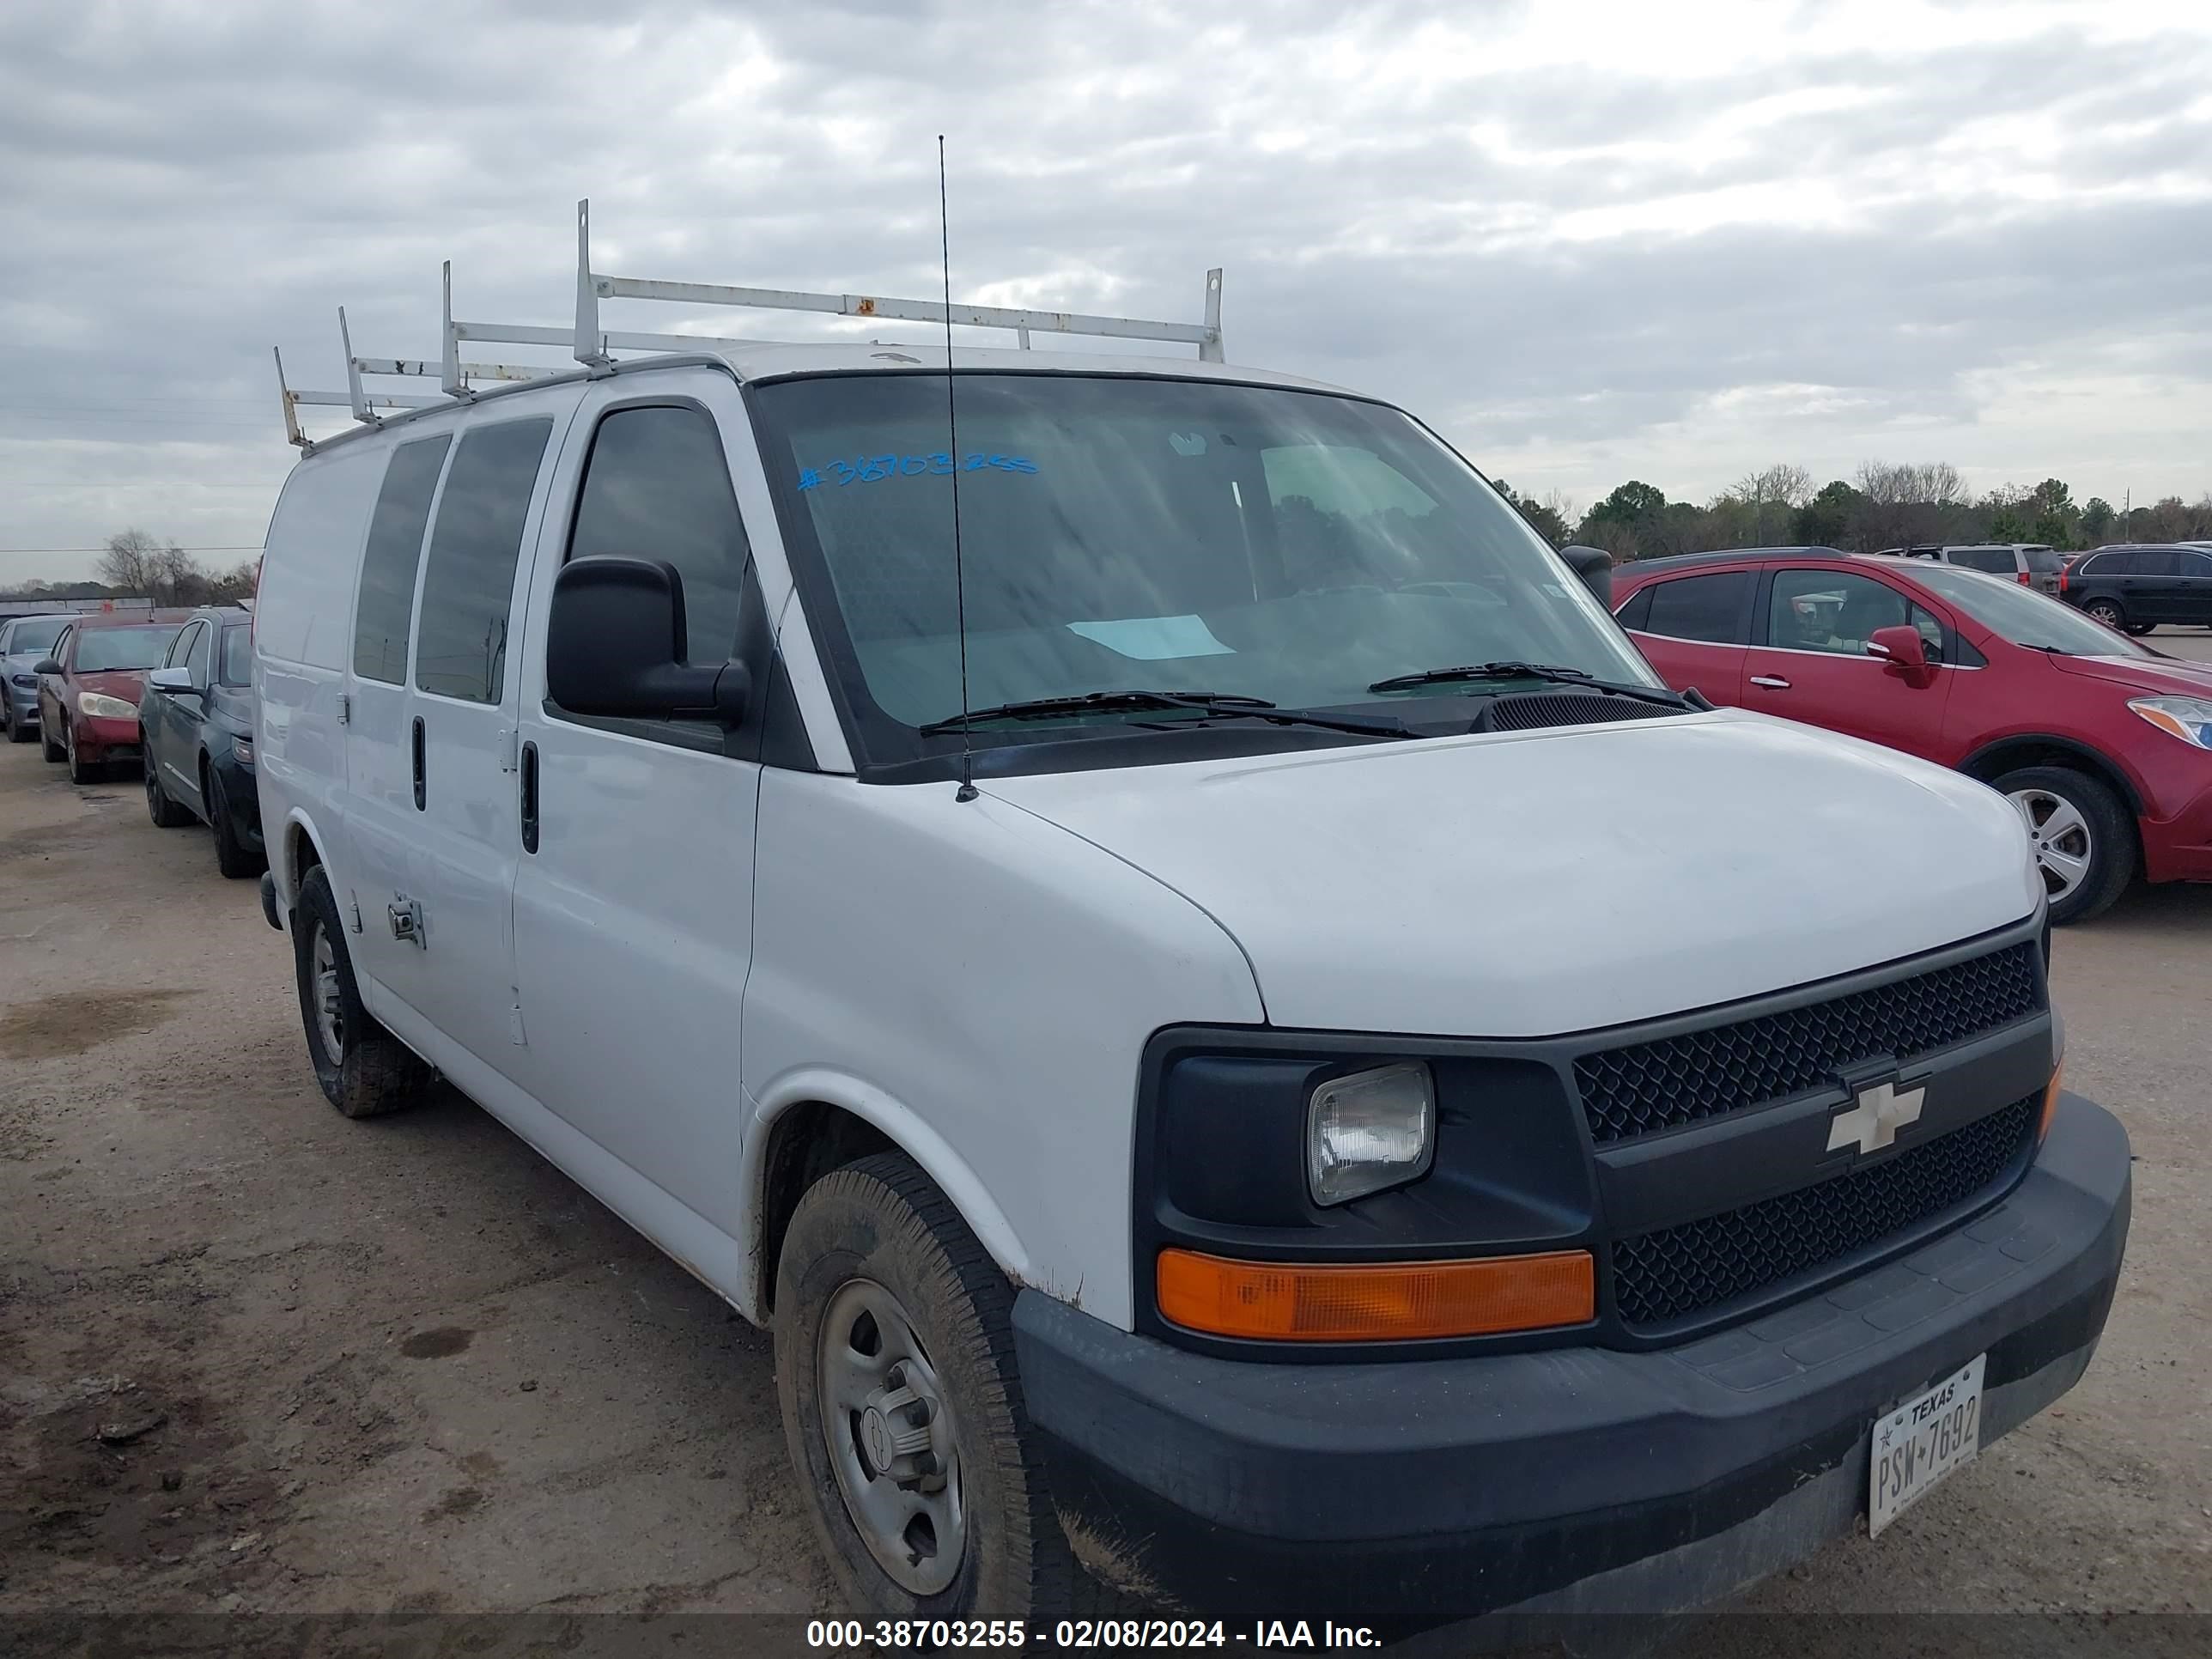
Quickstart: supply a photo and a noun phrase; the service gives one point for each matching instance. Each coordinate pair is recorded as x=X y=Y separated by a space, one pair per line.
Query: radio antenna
x=967 y=790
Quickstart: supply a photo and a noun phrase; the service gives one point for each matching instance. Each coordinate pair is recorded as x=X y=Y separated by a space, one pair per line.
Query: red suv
x=2104 y=744
x=89 y=686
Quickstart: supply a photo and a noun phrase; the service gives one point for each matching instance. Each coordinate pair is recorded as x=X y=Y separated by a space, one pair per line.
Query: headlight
x=98 y=706
x=28 y=682
x=1369 y=1131
x=2189 y=719
x=243 y=750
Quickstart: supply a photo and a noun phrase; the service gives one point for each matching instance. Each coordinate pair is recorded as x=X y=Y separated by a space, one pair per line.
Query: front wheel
x=48 y=747
x=166 y=813
x=364 y=1071
x=232 y=855
x=2084 y=838
x=902 y=1409
x=80 y=770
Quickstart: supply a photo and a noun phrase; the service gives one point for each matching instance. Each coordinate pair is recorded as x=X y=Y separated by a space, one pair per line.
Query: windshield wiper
x=1220 y=704
x=1530 y=670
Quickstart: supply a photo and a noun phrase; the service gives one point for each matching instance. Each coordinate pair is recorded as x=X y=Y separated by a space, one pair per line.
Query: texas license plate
x=1922 y=1441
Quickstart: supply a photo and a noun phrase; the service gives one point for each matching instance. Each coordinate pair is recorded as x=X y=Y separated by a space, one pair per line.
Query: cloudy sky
x=1587 y=242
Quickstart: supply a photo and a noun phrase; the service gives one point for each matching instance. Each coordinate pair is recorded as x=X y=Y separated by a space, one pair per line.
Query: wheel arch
x=1993 y=759
x=814 y=1121
x=303 y=851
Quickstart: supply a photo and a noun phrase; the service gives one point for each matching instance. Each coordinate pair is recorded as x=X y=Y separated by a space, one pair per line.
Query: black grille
x=1525 y=711
x=1660 y=1277
x=1680 y=1079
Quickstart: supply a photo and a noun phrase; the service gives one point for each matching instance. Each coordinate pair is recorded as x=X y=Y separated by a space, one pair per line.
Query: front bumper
x=100 y=738
x=1570 y=1481
x=22 y=703
x=2180 y=849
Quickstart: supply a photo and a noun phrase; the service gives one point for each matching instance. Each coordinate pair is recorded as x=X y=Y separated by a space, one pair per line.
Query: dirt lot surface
x=255 y=1356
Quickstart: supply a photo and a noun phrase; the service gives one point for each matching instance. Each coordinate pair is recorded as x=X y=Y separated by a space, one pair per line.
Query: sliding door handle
x=529 y=797
x=419 y=794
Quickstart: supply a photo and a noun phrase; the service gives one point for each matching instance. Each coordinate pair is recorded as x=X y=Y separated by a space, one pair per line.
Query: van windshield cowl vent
x=1525 y=711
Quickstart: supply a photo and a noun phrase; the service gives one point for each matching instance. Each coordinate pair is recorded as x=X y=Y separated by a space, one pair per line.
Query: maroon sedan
x=90 y=685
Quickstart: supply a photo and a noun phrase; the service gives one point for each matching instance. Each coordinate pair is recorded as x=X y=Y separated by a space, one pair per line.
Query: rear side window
x=2197 y=564
x=1708 y=608
x=2157 y=561
x=389 y=563
x=656 y=487
x=468 y=586
x=1998 y=560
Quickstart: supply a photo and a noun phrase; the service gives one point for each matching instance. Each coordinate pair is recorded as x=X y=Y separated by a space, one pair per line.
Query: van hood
x=2160 y=676
x=1536 y=883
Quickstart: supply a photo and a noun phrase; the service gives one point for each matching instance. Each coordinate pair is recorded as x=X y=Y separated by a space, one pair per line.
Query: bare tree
x=132 y=562
x=1770 y=495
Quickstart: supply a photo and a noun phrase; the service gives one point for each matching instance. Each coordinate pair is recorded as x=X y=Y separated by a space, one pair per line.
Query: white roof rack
x=594 y=347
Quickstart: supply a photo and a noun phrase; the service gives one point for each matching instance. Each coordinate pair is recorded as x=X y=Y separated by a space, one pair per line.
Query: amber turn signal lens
x=1285 y=1302
x=2049 y=1103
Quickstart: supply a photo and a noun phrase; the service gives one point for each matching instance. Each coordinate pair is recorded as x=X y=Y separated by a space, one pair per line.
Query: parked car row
x=2136 y=586
x=2032 y=565
x=170 y=692
x=2105 y=745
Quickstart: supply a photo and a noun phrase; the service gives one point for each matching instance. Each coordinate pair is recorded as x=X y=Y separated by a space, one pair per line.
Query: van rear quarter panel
x=302 y=636
x=979 y=985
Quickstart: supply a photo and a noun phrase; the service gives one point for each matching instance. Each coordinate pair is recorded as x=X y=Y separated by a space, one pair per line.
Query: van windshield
x=1122 y=533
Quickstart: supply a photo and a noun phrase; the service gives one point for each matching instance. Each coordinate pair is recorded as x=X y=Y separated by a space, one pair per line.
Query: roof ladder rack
x=594 y=347
x=589 y=344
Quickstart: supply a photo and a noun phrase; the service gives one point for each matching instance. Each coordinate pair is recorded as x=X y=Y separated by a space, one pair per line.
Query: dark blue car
x=197 y=721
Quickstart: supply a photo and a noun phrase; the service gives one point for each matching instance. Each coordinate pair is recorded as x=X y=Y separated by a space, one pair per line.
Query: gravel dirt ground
x=255 y=1356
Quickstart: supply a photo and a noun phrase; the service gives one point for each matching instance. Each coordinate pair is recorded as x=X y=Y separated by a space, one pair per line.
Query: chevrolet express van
x=1245 y=1046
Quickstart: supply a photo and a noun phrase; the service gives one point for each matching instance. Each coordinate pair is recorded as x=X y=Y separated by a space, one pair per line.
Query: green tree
x=1827 y=519
x=1543 y=518
x=1630 y=522
x=2096 y=521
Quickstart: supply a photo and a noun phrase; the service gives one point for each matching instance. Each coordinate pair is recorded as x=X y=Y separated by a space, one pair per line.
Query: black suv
x=196 y=723
x=2136 y=586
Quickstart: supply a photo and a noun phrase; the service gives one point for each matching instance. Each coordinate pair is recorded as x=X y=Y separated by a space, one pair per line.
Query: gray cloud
x=1581 y=251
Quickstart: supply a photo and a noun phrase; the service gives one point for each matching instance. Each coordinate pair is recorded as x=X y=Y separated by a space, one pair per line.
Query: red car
x=2104 y=745
x=89 y=686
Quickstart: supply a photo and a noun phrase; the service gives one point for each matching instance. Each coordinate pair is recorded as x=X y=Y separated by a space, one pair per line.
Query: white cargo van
x=1234 y=1031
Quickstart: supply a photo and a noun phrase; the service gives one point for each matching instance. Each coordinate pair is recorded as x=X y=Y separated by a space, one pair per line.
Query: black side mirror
x=615 y=646
x=1594 y=566
x=47 y=665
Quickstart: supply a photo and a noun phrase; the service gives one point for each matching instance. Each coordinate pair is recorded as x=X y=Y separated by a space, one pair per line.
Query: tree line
x=1889 y=504
x=136 y=566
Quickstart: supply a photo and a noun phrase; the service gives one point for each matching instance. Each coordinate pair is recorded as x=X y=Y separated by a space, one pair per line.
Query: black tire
x=21 y=731
x=882 y=1220
x=166 y=813
x=372 y=1072
x=2137 y=631
x=2111 y=835
x=80 y=771
x=232 y=856
x=47 y=747
x=2105 y=610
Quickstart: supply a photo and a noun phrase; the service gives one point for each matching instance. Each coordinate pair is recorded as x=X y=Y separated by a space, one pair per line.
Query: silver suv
x=2033 y=564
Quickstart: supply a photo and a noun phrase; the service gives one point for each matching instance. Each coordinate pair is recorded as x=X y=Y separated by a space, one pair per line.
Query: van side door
x=634 y=894
x=379 y=872
x=461 y=733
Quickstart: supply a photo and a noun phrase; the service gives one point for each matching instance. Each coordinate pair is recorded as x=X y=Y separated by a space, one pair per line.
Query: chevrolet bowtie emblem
x=1875 y=1114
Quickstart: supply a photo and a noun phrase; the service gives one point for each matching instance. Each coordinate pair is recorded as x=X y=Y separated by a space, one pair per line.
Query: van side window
x=656 y=486
x=1705 y=608
x=470 y=582
x=388 y=564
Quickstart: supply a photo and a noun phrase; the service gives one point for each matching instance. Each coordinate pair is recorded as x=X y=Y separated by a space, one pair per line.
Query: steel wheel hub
x=329 y=1002
x=889 y=1436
